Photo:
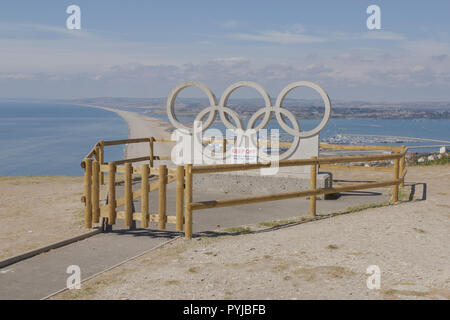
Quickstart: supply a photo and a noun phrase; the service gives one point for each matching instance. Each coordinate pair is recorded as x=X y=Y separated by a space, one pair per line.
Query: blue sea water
x=52 y=139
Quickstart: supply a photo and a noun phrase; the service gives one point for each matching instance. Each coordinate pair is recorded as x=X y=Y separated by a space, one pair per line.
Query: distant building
x=411 y=155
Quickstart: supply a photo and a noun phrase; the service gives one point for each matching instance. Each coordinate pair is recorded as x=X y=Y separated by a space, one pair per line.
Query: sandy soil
x=323 y=259
x=37 y=211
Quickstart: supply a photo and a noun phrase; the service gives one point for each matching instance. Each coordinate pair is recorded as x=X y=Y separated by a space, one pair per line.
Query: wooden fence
x=95 y=168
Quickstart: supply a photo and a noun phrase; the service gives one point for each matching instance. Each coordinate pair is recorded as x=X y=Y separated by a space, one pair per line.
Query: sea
x=52 y=139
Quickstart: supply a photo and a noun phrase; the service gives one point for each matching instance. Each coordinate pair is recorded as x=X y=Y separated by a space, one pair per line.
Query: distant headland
x=302 y=109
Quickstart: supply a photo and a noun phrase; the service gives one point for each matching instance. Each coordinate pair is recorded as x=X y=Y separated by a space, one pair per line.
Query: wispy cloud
x=273 y=36
x=231 y=60
x=383 y=35
x=38 y=31
x=297 y=34
x=230 y=24
x=346 y=74
x=368 y=35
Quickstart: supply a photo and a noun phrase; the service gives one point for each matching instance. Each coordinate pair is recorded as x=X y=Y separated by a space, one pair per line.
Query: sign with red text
x=244 y=155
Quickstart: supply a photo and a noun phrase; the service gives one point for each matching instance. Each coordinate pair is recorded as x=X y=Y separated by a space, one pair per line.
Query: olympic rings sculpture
x=265 y=112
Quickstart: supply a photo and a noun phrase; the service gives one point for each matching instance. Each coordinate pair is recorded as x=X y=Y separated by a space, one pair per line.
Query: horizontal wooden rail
x=344 y=159
x=125 y=141
x=131 y=160
x=164 y=140
x=292 y=162
x=358 y=147
x=101 y=144
x=322 y=145
x=229 y=167
x=363 y=168
x=224 y=141
x=288 y=195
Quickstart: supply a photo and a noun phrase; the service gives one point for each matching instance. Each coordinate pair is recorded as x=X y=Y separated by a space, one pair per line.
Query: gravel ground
x=322 y=259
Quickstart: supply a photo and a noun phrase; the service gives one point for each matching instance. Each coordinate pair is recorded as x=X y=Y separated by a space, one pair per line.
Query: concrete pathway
x=44 y=274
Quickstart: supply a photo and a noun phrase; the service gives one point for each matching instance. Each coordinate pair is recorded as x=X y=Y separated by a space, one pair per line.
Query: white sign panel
x=244 y=155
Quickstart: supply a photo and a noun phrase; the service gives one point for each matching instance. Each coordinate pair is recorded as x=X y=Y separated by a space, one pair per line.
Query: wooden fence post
x=96 y=152
x=128 y=195
x=101 y=159
x=396 y=176
x=88 y=193
x=224 y=149
x=313 y=185
x=402 y=165
x=188 y=201
x=162 y=197
x=96 y=191
x=112 y=193
x=151 y=144
x=145 y=198
x=97 y=156
x=180 y=198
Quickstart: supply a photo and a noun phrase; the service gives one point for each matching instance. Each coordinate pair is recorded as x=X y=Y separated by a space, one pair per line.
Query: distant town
x=302 y=109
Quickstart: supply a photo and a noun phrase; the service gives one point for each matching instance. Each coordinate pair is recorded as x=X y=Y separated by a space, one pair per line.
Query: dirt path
x=324 y=259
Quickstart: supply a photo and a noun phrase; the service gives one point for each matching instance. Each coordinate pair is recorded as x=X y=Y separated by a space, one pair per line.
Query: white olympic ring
x=266 y=111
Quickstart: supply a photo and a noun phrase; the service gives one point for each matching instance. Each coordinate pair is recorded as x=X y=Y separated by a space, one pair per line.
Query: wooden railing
x=190 y=170
x=94 y=210
x=95 y=168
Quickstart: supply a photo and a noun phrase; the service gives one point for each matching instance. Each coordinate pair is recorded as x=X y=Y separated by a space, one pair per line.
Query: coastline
x=140 y=126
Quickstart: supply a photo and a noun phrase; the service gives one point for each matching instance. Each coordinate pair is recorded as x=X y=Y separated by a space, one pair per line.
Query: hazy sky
x=144 y=48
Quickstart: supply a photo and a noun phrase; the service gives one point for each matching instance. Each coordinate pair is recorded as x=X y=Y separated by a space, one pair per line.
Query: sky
x=145 y=48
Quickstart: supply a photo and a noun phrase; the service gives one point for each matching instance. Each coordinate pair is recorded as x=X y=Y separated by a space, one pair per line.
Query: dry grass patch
x=193 y=269
x=238 y=230
x=277 y=223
